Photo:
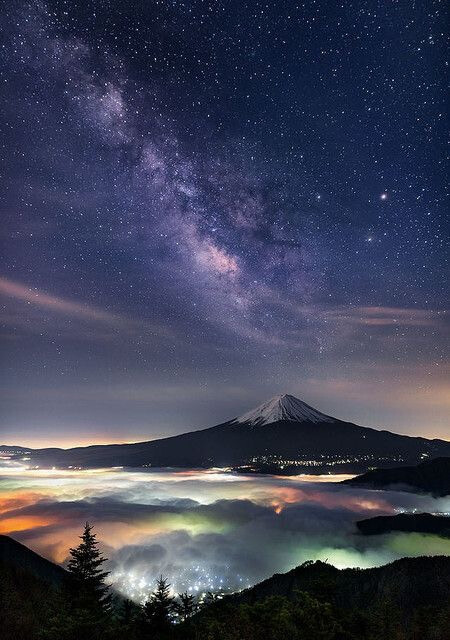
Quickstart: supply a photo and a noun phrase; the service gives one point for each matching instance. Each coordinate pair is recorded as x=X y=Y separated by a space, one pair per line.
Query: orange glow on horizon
x=18 y=500
x=23 y=523
x=69 y=443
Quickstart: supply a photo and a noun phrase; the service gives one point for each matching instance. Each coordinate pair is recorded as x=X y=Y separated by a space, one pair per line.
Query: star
x=202 y=201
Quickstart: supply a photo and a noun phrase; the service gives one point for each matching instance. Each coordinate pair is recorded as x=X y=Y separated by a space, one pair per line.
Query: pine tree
x=83 y=608
x=186 y=607
x=129 y=623
x=86 y=574
x=159 y=608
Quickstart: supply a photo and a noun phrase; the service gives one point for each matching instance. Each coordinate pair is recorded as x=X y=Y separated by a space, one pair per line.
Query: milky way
x=209 y=203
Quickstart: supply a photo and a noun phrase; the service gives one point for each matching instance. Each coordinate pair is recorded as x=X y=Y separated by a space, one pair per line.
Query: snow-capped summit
x=283 y=407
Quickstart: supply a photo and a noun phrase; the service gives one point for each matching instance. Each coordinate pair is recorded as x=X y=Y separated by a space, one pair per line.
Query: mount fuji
x=282 y=408
x=282 y=435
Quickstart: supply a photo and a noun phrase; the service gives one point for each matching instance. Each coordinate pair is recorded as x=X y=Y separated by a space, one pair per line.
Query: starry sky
x=208 y=203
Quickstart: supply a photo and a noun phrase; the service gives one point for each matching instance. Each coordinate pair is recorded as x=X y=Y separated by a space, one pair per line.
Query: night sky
x=208 y=203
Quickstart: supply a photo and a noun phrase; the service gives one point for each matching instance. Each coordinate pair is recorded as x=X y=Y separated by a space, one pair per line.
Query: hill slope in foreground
x=28 y=583
x=17 y=556
x=407 y=595
x=283 y=435
x=407 y=584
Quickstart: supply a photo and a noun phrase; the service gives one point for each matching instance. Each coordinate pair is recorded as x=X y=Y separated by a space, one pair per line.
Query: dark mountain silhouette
x=28 y=583
x=411 y=595
x=17 y=556
x=407 y=583
x=7 y=448
x=283 y=435
x=432 y=476
x=412 y=522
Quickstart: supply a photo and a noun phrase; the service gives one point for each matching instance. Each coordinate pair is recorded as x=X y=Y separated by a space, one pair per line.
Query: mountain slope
x=16 y=555
x=284 y=408
x=410 y=522
x=431 y=476
x=28 y=584
x=282 y=435
x=406 y=599
x=407 y=583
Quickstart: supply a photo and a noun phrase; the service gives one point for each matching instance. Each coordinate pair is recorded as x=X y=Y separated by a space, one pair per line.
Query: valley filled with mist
x=207 y=530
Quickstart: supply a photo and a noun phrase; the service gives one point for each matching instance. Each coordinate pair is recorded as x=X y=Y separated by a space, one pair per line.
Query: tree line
x=85 y=609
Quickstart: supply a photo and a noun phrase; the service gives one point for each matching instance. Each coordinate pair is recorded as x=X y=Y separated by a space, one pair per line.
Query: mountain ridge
x=304 y=440
x=21 y=557
x=430 y=476
x=407 y=582
x=432 y=523
x=409 y=594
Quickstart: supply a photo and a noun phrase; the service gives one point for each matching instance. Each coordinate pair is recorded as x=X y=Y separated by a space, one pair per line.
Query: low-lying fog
x=205 y=530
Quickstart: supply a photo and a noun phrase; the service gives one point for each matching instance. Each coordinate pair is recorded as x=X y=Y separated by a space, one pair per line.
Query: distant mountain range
x=283 y=435
x=431 y=476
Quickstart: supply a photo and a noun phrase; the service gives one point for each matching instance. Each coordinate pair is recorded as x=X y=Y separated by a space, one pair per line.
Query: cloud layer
x=206 y=530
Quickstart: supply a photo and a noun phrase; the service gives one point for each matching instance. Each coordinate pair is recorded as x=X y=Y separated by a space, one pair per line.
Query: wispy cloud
x=386 y=316
x=74 y=309
x=34 y=296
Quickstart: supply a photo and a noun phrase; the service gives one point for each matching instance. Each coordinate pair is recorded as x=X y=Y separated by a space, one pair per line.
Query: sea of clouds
x=207 y=530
